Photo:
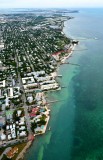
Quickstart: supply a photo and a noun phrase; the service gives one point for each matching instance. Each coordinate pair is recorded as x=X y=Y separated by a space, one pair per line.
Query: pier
x=95 y=38
x=71 y=63
x=79 y=49
x=54 y=101
x=63 y=86
x=59 y=76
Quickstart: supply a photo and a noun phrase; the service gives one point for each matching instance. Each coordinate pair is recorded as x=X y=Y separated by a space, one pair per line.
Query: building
x=9 y=115
x=2 y=121
x=34 y=111
x=3 y=137
x=22 y=133
x=2 y=84
x=12 y=152
x=1 y=63
x=30 y=99
x=28 y=80
x=39 y=129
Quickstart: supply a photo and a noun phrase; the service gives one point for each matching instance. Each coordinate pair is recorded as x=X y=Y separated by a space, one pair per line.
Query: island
x=32 y=46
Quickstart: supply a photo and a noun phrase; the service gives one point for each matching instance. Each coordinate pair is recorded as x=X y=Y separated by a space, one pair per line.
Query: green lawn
x=20 y=148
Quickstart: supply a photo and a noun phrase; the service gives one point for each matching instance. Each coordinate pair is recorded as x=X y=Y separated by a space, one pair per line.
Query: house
x=7 y=127
x=10 y=92
x=13 y=92
x=2 y=46
x=7 y=101
x=12 y=152
x=1 y=64
x=2 y=136
x=30 y=99
x=9 y=137
x=22 y=121
x=19 y=113
x=22 y=128
x=9 y=115
x=2 y=84
x=36 y=118
x=38 y=96
x=34 y=111
x=39 y=129
x=22 y=133
x=2 y=121
x=13 y=132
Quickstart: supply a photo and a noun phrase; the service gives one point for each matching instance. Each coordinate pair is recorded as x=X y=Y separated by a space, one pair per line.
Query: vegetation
x=33 y=126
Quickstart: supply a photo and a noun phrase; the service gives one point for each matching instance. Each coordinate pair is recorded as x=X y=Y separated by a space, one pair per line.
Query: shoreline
x=54 y=74
x=22 y=153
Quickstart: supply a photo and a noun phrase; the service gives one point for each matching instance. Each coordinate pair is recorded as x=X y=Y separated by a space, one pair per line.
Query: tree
x=5 y=157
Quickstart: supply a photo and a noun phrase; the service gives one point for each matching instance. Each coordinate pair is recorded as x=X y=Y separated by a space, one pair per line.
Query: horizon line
x=82 y=7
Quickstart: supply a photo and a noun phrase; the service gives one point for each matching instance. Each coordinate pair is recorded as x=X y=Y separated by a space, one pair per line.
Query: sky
x=50 y=3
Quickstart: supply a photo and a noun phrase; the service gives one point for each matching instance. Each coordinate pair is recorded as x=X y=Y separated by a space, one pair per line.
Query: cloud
x=49 y=3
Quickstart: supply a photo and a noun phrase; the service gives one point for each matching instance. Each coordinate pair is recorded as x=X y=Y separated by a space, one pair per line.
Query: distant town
x=31 y=47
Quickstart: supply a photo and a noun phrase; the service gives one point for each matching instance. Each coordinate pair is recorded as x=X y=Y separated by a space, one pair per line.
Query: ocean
x=77 y=121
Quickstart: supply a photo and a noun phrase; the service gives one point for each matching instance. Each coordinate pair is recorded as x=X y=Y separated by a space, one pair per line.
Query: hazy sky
x=50 y=3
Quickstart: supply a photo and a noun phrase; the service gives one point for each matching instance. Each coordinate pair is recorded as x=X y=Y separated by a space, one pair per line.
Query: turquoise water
x=77 y=122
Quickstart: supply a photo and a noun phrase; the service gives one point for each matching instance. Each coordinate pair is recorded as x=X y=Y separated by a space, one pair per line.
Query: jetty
x=79 y=49
x=54 y=101
x=63 y=86
x=71 y=63
x=59 y=76
x=95 y=38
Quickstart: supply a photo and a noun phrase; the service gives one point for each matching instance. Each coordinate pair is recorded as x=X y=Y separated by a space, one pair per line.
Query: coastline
x=22 y=153
x=54 y=74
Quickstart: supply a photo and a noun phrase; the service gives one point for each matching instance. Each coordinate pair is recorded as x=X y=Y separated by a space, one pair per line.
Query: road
x=27 y=117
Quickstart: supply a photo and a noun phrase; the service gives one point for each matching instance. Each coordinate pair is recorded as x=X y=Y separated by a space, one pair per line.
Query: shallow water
x=77 y=122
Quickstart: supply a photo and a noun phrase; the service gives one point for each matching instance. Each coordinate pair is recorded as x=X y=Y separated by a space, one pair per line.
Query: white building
x=2 y=84
x=28 y=80
x=3 y=137
x=22 y=133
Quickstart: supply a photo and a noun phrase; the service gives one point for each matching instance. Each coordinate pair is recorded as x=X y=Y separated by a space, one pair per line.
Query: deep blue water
x=77 y=122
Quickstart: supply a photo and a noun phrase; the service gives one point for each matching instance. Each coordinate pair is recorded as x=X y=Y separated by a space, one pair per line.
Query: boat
x=49 y=128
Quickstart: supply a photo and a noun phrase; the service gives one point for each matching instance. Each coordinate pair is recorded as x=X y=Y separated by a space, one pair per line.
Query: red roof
x=57 y=53
x=32 y=114
x=34 y=111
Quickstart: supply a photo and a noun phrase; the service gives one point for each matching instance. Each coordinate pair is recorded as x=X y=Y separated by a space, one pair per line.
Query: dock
x=55 y=101
x=71 y=63
x=79 y=49
x=63 y=86
x=59 y=76
x=95 y=38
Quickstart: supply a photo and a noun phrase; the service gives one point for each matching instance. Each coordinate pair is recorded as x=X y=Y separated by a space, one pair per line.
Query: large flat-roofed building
x=28 y=80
